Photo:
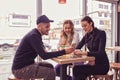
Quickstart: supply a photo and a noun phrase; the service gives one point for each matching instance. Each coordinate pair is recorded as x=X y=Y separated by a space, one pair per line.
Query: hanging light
x=62 y=1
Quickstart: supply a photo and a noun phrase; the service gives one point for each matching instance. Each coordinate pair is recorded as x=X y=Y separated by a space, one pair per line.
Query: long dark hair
x=89 y=20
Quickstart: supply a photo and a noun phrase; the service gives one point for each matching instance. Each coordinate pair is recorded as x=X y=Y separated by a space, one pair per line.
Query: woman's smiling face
x=67 y=29
x=87 y=27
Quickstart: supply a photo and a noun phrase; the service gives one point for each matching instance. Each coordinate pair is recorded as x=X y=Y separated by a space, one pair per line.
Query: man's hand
x=69 y=50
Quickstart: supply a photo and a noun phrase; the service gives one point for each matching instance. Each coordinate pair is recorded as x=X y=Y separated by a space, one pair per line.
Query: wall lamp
x=62 y=1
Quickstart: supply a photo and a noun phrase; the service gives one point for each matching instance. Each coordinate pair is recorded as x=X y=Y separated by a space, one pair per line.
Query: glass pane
x=17 y=17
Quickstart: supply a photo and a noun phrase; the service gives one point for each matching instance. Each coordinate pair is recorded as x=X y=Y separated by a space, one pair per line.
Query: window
x=105 y=14
x=101 y=6
x=100 y=14
x=101 y=22
x=13 y=13
x=20 y=20
x=105 y=6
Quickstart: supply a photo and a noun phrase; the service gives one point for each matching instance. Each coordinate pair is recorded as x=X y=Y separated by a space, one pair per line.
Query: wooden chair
x=12 y=77
x=108 y=76
x=116 y=68
x=100 y=77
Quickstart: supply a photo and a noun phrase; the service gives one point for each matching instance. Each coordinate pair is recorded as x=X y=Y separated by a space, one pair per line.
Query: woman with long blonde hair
x=68 y=37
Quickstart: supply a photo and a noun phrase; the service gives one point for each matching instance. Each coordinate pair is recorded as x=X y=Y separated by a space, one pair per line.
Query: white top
x=76 y=38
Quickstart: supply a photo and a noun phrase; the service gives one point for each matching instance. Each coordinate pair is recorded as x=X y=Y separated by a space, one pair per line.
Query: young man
x=24 y=66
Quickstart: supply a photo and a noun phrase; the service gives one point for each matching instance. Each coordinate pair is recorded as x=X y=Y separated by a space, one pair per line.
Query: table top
x=66 y=59
x=115 y=65
x=115 y=48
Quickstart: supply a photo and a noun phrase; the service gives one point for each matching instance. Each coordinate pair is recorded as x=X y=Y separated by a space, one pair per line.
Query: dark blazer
x=95 y=41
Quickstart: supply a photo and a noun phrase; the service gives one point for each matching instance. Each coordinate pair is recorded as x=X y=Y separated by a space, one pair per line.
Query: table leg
x=116 y=74
x=63 y=72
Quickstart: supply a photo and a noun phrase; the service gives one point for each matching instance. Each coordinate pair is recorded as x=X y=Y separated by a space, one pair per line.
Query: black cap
x=43 y=19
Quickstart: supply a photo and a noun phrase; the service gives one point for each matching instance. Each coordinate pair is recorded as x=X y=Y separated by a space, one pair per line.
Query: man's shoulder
x=33 y=32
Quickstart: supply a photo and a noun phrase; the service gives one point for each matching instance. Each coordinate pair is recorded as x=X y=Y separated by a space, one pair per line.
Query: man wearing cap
x=24 y=66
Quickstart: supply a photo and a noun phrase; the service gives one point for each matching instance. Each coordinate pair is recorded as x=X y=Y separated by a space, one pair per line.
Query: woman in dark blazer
x=94 y=42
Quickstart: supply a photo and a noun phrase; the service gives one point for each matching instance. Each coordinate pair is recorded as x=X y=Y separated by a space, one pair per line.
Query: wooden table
x=115 y=48
x=66 y=59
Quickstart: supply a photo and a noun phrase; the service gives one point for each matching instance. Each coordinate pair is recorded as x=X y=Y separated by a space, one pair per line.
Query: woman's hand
x=79 y=52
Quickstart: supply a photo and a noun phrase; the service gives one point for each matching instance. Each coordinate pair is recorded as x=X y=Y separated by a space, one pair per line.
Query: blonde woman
x=68 y=37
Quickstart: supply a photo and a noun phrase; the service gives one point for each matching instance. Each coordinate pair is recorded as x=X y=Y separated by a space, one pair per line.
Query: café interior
x=105 y=13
